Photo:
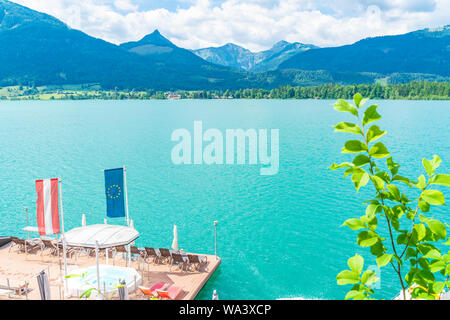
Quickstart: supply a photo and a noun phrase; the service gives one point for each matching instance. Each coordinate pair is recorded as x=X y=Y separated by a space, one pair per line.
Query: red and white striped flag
x=47 y=206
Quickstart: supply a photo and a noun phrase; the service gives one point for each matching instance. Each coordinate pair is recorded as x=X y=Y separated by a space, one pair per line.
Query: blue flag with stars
x=115 y=203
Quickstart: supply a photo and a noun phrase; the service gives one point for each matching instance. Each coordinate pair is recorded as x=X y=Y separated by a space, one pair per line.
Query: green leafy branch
x=416 y=241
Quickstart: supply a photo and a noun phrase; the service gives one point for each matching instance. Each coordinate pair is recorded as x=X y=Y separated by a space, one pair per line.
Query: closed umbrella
x=175 y=238
x=83 y=220
x=44 y=285
x=123 y=290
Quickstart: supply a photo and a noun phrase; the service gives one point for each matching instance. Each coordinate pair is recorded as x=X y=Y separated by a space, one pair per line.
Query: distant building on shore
x=173 y=96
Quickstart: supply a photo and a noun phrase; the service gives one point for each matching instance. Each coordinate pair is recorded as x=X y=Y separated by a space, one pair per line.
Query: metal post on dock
x=215 y=238
x=98 y=268
x=60 y=280
x=9 y=288
x=28 y=232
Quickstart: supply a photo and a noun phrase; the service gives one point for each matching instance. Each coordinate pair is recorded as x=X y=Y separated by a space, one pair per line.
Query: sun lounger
x=23 y=245
x=165 y=255
x=151 y=253
x=23 y=289
x=151 y=292
x=136 y=252
x=173 y=293
x=178 y=260
x=120 y=249
x=60 y=250
x=49 y=245
x=196 y=260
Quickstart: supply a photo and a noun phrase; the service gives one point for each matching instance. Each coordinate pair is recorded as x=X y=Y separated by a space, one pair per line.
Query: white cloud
x=254 y=24
x=125 y=5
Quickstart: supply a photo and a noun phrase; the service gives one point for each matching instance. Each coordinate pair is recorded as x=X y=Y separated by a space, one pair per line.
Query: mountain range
x=235 y=56
x=38 y=49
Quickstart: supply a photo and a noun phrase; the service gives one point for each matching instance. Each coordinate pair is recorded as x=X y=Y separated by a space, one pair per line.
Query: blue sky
x=254 y=24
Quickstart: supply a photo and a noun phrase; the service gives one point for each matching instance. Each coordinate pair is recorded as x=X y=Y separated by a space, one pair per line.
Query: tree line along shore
x=409 y=91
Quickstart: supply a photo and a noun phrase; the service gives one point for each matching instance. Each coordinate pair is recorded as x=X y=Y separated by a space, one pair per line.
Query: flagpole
x=63 y=238
x=126 y=193
x=126 y=204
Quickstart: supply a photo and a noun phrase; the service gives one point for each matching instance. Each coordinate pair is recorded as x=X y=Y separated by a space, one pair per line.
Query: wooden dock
x=19 y=267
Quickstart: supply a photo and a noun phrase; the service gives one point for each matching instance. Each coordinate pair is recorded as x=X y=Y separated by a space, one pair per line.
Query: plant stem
x=398 y=271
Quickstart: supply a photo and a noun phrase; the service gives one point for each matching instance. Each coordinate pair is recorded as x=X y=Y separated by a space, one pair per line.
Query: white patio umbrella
x=100 y=236
x=83 y=220
x=175 y=238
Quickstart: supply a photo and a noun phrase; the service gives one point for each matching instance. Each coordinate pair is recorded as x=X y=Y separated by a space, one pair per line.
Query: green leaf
x=355 y=295
x=374 y=133
x=378 y=182
x=367 y=238
x=402 y=238
x=377 y=249
x=371 y=115
x=438 y=287
x=394 y=191
x=435 y=162
x=379 y=150
x=437 y=227
x=402 y=179
x=347 y=127
x=410 y=252
x=335 y=166
x=383 y=175
x=360 y=160
x=384 y=260
x=433 y=254
x=369 y=277
x=356 y=264
x=428 y=167
x=347 y=277
x=372 y=222
x=344 y=106
x=424 y=206
x=360 y=179
x=357 y=99
x=441 y=179
x=421 y=182
x=392 y=166
x=354 y=146
x=421 y=231
x=426 y=275
x=433 y=197
x=354 y=224
x=372 y=209
x=87 y=293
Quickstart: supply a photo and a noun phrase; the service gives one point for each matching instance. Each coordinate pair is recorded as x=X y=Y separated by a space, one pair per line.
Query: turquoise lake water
x=278 y=236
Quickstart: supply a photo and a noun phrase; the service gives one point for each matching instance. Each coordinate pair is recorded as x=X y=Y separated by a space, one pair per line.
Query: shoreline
x=422 y=90
x=226 y=99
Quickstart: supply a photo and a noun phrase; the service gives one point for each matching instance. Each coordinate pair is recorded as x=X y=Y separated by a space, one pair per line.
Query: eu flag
x=115 y=204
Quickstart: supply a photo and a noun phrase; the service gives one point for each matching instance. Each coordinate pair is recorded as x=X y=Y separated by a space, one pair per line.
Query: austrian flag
x=47 y=206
